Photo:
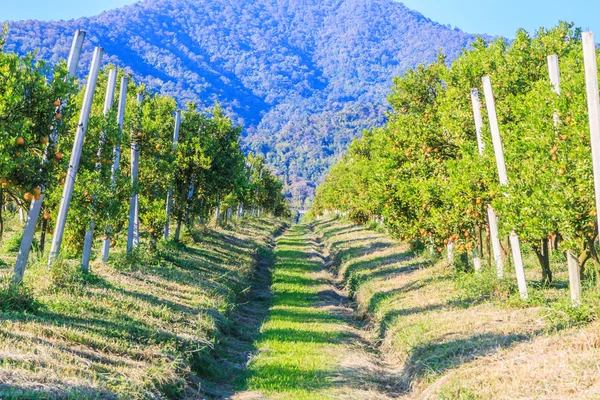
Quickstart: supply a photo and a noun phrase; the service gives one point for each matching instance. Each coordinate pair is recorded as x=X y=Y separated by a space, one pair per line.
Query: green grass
x=300 y=342
x=147 y=326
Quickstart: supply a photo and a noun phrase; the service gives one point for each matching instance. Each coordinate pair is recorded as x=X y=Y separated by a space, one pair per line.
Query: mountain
x=303 y=76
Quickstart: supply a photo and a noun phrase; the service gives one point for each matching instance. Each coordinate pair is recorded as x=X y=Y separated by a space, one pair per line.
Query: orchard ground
x=336 y=311
x=358 y=315
x=153 y=325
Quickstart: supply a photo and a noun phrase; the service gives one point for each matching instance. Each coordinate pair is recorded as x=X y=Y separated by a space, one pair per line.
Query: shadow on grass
x=295 y=298
x=359 y=251
x=280 y=378
x=302 y=315
x=335 y=244
x=376 y=265
x=60 y=390
x=308 y=336
x=340 y=230
x=435 y=358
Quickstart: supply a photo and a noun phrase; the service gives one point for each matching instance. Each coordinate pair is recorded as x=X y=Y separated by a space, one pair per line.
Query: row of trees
x=427 y=176
x=138 y=160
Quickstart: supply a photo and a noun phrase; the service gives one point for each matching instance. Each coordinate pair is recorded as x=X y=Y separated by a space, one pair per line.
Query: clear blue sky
x=15 y=10
x=504 y=17
x=494 y=17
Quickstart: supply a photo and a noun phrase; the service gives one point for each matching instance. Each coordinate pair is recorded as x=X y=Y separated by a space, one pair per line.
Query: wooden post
x=593 y=100
x=132 y=234
x=503 y=177
x=36 y=205
x=89 y=234
x=117 y=157
x=170 y=192
x=63 y=211
x=492 y=218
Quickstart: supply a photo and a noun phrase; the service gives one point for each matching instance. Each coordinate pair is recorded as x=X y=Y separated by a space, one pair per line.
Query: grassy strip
x=443 y=328
x=301 y=342
x=144 y=326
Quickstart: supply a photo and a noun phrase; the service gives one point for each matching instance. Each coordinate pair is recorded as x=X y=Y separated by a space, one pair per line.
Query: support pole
x=593 y=100
x=63 y=211
x=492 y=218
x=496 y=246
x=574 y=278
x=117 y=157
x=170 y=192
x=450 y=249
x=89 y=234
x=133 y=231
x=36 y=205
x=572 y=261
x=503 y=177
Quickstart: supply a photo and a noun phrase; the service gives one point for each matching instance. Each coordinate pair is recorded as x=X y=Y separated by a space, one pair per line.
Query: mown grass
x=301 y=342
x=143 y=326
x=444 y=328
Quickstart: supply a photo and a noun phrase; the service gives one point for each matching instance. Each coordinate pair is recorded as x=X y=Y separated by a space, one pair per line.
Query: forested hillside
x=305 y=77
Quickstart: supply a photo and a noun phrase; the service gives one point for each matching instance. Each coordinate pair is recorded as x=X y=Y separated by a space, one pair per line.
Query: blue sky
x=497 y=17
x=504 y=17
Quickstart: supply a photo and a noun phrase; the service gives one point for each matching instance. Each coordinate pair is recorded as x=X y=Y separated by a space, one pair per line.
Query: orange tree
x=226 y=161
x=422 y=170
x=156 y=162
x=31 y=95
x=95 y=197
x=190 y=166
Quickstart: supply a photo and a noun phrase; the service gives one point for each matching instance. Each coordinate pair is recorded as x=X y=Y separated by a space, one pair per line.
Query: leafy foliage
x=422 y=171
x=37 y=105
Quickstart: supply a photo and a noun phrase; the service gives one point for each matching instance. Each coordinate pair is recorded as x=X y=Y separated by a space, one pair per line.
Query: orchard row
x=443 y=173
x=131 y=159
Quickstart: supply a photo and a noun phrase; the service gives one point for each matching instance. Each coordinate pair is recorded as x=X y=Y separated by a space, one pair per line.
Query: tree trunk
x=584 y=256
x=43 y=235
x=504 y=249
x=1 y=209
x=594 y=255
x=178 y=230
x=543 y=256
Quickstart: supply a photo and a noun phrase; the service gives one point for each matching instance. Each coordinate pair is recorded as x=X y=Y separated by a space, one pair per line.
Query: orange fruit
x=56 y=103
x=20 y=141
x=28 y=196
x=59 y=156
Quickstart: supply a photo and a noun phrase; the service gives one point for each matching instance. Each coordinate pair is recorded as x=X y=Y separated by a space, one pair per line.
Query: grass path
x=311 y=346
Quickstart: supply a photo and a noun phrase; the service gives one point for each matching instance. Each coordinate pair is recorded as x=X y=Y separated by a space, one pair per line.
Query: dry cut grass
x=146 y=326
x=466 y=336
